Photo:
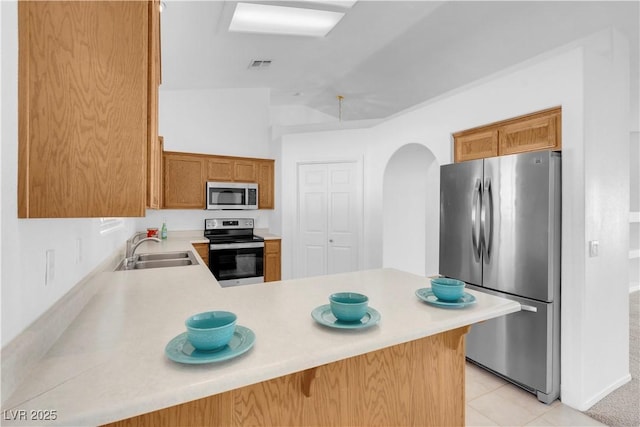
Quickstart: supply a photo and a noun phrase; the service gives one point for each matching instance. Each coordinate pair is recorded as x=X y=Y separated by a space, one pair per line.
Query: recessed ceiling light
x=259 y=18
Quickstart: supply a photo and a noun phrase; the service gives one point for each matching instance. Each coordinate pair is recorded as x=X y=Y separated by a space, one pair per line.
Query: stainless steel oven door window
x=237 y=263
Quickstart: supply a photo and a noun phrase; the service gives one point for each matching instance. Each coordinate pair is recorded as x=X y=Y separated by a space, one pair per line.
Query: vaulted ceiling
x=383 y=56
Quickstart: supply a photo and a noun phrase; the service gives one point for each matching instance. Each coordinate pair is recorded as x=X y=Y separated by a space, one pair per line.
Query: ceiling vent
x=259 y=64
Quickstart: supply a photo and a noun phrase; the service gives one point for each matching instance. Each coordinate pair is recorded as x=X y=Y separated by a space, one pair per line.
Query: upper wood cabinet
x=222 y=168
x=85 y=107
x=266 y=184
x=186 y=175
x=476 y=145
x=538 y=132
x=184 y=181
x=532 y=132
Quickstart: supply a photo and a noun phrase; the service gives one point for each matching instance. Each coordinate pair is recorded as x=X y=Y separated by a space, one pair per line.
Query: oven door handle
x=221 y=246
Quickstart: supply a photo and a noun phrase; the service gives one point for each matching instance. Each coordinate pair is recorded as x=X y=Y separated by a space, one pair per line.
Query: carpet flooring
x=622 y=406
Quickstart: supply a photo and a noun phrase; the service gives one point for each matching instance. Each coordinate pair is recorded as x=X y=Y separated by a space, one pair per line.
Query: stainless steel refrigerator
x=500 y=233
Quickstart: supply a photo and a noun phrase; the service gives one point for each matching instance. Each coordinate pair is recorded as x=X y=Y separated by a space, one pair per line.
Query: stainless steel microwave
x=232 y=195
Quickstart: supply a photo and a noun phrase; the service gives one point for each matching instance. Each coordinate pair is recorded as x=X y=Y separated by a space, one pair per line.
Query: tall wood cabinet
x=186 y=175
x=87 y=107
x=536 y=131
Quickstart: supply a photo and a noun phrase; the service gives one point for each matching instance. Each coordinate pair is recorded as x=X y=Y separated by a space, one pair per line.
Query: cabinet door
x=83 y=92
x=535 y=133
x=184 y=182
x=219 y=169
x=203 y=251
x=228 y=169
x=272 y=261
x=475 y=145
x=266 y=184
x=244 y=171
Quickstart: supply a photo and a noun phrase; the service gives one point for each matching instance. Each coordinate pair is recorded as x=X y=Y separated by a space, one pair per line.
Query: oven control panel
x=225 y=223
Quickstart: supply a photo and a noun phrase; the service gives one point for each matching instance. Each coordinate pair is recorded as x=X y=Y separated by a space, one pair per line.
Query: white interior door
x=328 y=215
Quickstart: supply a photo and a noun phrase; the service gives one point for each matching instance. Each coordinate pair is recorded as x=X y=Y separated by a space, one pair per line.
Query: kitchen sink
x=162 y=263
x=158 y=260
x=164 y=256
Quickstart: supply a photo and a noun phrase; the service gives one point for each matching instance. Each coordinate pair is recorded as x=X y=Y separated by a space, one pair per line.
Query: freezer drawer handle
x=529 y=308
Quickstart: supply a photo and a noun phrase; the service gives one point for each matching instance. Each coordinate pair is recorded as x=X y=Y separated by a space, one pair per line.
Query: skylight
x=341 y=3
x=260 y=18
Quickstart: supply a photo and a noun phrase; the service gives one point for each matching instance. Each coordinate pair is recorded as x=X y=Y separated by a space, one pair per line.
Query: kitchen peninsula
x=109 y=365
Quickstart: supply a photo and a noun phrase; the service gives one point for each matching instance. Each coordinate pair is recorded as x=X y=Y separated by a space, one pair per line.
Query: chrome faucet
x=131 y=258
x=133 y=239
x=133 y=250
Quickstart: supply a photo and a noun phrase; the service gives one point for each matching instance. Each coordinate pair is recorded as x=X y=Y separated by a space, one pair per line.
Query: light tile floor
x=492 y=401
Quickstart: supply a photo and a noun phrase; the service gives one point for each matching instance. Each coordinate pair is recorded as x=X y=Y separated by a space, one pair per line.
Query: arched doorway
x=411 y=211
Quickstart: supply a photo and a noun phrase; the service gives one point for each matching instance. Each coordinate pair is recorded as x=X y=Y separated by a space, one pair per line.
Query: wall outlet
x=593 y=248
x=50 y=267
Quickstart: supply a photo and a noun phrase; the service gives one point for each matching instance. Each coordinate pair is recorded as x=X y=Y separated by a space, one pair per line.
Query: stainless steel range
x=236 y=255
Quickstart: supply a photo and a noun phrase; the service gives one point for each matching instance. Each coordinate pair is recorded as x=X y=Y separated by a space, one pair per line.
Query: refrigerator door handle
x=475 y=234
x=486 y=219
x=528 y=308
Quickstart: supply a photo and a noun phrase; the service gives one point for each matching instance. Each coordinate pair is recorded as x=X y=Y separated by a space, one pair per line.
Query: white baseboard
x=595 y=399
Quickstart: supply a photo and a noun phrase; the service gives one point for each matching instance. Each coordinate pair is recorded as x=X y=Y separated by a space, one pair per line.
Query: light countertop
x=265 y=234
x=110 y=363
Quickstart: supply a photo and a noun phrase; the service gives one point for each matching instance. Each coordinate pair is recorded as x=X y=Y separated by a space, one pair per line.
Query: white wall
x=231 y=122
x=289 y=115
x=25 y=241
x=594 y=120
x=606 y=201
x=410 y=216
x=193 y=219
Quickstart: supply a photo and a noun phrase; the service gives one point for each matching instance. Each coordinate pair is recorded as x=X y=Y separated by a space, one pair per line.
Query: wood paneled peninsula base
x=418 y=383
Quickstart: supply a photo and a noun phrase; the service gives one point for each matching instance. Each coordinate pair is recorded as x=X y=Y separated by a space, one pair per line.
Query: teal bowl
x=348 y=306
x=447 y=289
x=210 y=330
